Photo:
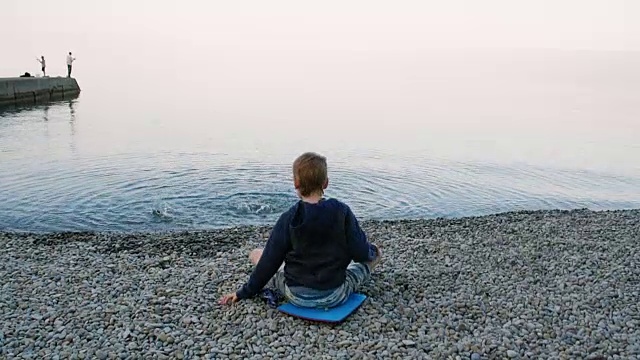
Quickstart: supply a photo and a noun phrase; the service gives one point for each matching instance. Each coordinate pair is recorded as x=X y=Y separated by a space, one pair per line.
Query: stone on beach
x=543 y=284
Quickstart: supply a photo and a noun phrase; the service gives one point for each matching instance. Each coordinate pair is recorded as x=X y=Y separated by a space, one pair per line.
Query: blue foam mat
x=335 y=314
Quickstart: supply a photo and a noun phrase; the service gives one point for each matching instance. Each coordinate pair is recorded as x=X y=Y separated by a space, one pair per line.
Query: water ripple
x=130 y=193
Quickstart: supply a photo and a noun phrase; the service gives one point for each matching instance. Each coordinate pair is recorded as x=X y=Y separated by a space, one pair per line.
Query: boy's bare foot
x=372 y=264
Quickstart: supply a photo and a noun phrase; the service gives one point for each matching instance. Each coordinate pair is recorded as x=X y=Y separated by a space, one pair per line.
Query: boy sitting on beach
x=326 y=254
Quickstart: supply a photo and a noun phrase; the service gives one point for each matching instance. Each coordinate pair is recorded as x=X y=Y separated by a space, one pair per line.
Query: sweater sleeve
x=359 y=247
x=272 y=257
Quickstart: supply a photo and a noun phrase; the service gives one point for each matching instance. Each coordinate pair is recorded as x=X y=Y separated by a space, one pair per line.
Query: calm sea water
x=406 y=136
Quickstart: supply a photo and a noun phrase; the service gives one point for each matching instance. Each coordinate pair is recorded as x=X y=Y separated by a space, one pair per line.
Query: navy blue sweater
x=316 y=242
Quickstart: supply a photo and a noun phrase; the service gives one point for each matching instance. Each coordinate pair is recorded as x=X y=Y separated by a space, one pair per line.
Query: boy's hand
x=229 y=299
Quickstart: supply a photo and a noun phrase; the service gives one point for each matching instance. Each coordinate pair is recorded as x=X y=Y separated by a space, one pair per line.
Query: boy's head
x=310 y=174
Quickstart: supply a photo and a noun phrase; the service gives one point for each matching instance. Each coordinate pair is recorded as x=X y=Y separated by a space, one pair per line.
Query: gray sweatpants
x=357 y=275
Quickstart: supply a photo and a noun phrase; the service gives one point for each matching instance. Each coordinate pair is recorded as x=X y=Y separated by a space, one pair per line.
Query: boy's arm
x=359 y=247
x=272 y=257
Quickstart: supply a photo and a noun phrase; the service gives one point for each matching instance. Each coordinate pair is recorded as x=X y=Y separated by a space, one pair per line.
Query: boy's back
x=323 y=239
x=316 y=241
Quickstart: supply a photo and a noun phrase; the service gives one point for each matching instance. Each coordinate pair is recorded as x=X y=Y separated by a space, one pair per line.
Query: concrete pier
x=31 y=90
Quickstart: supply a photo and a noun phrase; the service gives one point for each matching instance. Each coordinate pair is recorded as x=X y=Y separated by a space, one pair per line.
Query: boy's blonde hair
x=310 y=173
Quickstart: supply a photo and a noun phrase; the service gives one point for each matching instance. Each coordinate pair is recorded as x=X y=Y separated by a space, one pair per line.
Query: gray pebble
x=448 y=288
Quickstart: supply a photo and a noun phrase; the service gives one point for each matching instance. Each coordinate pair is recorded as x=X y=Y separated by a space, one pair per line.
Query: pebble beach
x=521 y=285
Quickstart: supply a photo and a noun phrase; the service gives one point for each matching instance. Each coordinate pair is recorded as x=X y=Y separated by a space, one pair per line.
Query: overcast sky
x=114 y=32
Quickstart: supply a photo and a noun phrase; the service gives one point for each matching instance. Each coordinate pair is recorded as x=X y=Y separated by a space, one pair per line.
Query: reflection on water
x=72 y=125
x=421 y=142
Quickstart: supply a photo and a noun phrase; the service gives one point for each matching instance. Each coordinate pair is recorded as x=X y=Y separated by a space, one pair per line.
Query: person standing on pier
x=44 y=65
x=70 y=61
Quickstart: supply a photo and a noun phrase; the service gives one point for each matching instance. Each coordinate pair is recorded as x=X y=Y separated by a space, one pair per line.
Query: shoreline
x=525 y=284
x=267 y=227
